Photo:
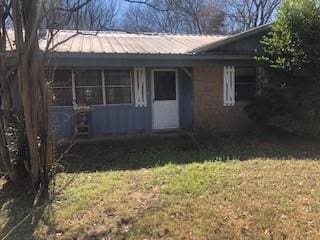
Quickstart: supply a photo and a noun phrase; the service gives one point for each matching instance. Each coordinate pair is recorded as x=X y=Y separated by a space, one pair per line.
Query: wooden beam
x=187 y=72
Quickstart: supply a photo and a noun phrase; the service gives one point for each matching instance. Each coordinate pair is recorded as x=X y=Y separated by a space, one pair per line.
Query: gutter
x=104 y=56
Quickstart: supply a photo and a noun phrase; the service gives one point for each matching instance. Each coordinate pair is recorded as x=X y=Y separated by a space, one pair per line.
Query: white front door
x=165 y=107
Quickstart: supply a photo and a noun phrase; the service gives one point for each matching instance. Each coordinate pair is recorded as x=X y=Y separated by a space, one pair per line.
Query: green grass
x=234 y=188
x=86 y=190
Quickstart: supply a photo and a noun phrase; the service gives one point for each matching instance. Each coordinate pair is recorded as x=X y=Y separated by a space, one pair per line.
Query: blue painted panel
x=62 y=121
x=249 y=46
x=119 y=119
x=185 y=100
x=122 y=119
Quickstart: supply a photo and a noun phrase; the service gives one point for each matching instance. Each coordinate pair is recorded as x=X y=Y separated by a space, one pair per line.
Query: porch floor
x=128 y=137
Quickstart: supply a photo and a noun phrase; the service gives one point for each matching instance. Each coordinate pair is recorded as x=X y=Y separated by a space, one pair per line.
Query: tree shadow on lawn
x=21 y=217
x=150 y=152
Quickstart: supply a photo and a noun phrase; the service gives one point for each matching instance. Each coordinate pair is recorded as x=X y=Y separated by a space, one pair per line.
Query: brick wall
x=209 y=112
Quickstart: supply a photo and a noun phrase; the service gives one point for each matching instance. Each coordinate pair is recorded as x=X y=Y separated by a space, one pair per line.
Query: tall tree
x=200 y=16
x=175 y=16
x=6 y=121
x=291 y=98
x=145 y=18
x=95 y=15
x=246 y=14
x=26 y=140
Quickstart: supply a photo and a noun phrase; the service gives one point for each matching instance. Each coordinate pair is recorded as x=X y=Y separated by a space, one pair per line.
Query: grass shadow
x=22 y=218
x=155 y=151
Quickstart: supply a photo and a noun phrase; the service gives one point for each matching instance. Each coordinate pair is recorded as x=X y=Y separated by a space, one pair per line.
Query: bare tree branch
x=187 y=16
x=153 y=5
x=246 y=14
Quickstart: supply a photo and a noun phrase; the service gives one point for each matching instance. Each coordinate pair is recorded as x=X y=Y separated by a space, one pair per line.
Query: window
x=164 y=85
x=118 y=86
x=245 y=83
x=88 y=87
x=62 y=88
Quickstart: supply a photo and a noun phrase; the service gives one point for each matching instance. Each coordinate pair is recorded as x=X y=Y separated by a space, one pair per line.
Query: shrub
x=290 y=99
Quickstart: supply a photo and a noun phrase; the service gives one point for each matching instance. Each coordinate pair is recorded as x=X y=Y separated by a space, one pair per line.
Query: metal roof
x=111 y=42
x=128 y=43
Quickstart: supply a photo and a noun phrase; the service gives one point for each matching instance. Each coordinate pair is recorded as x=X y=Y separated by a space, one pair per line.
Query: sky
x=123 y=6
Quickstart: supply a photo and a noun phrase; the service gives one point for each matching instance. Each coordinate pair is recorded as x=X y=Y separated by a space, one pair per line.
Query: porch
x=122 y=100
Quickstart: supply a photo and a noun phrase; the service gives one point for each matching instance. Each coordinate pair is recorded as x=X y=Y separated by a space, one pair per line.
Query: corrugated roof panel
x=101 y=45
x=153 y=48
x=140 y=44
x=118 y=44
x=86 y=44
x=107 y=44
x=164 y=45
x=180 y=43
x=132 y=43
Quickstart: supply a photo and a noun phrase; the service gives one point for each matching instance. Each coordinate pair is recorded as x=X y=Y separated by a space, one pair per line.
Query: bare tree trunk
x=29 y=128
x=6 y=114
x=33 y=89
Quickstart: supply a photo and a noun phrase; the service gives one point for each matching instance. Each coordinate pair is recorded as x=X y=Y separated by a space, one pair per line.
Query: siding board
x=185 y=100
x=118 y=119
x=62 y=121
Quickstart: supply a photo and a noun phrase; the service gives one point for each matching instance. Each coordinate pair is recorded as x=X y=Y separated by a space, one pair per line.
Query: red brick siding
x=209 y=111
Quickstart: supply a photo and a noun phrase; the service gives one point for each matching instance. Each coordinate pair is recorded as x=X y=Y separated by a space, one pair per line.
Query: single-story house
x=143 y=82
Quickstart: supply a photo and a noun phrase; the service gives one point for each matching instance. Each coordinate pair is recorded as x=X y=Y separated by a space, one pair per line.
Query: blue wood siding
x=248 y=46
x=62 y=121
x=185 y=100
x=119 y=119
x=124 y=118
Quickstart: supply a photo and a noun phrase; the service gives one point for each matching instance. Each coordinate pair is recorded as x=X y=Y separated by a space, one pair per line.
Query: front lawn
x=232 y=188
